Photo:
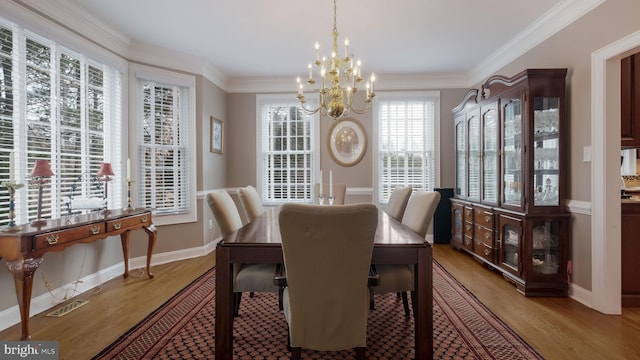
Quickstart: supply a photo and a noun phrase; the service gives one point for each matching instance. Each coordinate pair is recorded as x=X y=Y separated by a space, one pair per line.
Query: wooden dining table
x=259 y=241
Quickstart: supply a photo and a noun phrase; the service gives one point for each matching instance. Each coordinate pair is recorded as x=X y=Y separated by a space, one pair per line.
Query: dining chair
x=327 y=253
x=398 y=278
x=246 y=277
x=251 y=203
x=339 y=192
x=398 y=201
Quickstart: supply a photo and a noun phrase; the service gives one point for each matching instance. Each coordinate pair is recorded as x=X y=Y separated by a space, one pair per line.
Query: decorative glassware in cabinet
x=457 y=224
x=545 y=245
x=474 y=156
x=546 y=120
x=490 y=155
x=461 y=163
x=512 y=152
x=511 y=245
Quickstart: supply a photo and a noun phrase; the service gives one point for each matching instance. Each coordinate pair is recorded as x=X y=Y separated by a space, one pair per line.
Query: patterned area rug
x=184 y=328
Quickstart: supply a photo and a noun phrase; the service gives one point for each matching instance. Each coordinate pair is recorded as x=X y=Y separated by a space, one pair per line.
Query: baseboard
x=11 y=316
x=580 y=295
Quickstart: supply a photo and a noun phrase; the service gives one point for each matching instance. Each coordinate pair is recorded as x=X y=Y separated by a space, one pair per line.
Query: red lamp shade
x=105 y=170
x=41 y=169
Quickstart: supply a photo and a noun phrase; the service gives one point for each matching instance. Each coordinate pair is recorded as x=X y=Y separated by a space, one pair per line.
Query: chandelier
x=339 y=79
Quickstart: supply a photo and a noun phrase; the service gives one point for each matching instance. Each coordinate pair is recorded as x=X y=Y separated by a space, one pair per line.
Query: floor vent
x=67 y=308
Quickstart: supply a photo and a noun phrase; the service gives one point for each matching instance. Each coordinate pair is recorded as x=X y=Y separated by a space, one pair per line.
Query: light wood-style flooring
x=558 y=328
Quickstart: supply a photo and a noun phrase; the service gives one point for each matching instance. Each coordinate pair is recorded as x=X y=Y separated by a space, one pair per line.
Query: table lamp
x=104 y=175
x=39 y=176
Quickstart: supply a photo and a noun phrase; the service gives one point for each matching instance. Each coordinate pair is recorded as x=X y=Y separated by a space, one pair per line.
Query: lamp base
x=12 y=228
x=38 y=222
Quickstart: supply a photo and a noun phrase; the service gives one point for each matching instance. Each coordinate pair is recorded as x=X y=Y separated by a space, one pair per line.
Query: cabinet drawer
x=128 y=223
x=468 y=229
x=483 y=217
x=484 y=242
x=468 y=213
x=54 y=238
x=468 y=242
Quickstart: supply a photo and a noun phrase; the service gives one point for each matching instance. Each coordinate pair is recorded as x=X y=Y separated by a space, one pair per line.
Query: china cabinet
x=508 y=210
x=630 y=101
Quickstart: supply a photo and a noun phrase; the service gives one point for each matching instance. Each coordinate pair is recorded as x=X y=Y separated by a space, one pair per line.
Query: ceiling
x=246 y=39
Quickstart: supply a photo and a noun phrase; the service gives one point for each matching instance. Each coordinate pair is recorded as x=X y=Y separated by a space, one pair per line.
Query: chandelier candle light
x=129 y=181
x=39 y=176
x=339 y=80
x=104 y=175
x=12 y=186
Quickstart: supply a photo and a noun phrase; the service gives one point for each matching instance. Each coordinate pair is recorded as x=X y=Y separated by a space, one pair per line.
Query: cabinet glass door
x=546 y=120
x=512 y=156
x=461 y=158
x=510 y=240
x=490 y=155
x=457 y=224
x=545 y=243
x=474 y=156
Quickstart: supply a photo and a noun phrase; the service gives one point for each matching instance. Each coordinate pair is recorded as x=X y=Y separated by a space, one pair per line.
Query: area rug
x=184 y=328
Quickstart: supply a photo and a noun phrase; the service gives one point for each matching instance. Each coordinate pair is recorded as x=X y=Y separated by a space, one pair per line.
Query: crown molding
x=554 y=20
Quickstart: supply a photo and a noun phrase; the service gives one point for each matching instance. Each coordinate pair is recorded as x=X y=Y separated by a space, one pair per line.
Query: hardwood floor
x=558 y=328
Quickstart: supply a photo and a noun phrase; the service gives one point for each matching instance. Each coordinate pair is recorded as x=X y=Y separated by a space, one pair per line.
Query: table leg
x=152 y=232
x=124 y=238
x=424 y=304
x=224 y=305
x=23 y=271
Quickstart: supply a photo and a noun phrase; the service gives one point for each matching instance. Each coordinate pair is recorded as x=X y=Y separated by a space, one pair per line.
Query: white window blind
x=406 y=142
x=287 y=147
x=163 y=150
x=58 y=106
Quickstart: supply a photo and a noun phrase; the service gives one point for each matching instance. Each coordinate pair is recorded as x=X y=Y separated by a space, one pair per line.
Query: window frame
x=136 y=73
x=288 y=98
x=385 y=96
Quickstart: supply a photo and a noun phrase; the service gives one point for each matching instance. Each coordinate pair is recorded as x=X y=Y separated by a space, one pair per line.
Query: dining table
x=259 y=241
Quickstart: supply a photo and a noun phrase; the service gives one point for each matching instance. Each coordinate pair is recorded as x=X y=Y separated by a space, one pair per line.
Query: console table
x=23 y=250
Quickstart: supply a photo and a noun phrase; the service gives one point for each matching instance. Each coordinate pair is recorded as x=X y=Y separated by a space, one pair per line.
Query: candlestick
x=330 y=183
x=12 y=226
x=129 y=207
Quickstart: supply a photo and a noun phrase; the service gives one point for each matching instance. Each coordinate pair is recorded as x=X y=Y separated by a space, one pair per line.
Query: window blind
x=58 y=106
x=406 y=143
x=287 y=147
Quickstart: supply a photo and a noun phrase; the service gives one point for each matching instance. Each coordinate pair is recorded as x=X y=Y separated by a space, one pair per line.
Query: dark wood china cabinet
x=509 y=209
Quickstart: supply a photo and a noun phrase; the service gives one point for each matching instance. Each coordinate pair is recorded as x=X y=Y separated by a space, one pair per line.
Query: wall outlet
x=210 y=223
x=586 y=154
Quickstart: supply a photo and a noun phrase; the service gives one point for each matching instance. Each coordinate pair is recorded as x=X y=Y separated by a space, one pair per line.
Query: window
x=286 y=150
x=165 y=139
x=406 y=142
x=62 y=107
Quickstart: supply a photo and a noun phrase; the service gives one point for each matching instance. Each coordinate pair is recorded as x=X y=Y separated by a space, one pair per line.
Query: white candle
x=330 y=183
x=128 y=169
x=321 y=186
x=11 y=166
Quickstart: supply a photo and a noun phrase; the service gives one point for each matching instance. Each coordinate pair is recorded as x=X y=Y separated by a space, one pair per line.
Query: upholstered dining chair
x=417 y=217
x=251 y=203
x=398 y=202
x=339 y=192
x=246 y=277
x=327 y=309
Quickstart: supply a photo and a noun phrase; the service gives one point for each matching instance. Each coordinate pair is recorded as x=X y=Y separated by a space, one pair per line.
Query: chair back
x=398 y=202
x=224 y=211
x=327 y=253
x=339 y=192
x=420 y=209
x=251 y=203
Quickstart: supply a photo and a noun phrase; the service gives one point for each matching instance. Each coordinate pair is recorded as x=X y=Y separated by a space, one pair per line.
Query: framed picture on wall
x=216 y=135
x=347 y=141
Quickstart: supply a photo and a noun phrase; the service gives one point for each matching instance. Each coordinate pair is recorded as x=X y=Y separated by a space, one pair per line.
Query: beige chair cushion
x=419 y=212
x=398 y=202
x=224 y=211
x=327 y=254
x=251 y=203
x=339 y=192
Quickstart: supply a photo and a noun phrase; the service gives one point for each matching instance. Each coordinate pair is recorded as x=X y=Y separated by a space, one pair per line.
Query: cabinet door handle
x=117 y=226
x=487 y=218
x=468 y=227
x=51 y=239
x=487 y=235
x=95 y=230
x=143 y=218
x=487 y=252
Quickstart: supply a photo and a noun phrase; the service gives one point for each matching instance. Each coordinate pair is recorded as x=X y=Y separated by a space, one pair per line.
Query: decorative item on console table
x=508 y=211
